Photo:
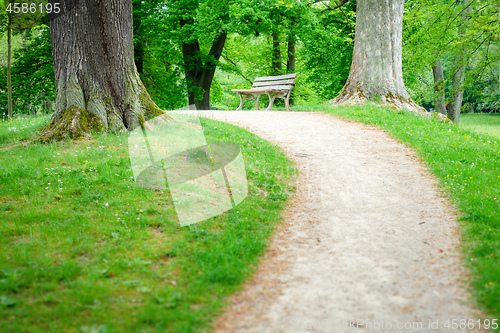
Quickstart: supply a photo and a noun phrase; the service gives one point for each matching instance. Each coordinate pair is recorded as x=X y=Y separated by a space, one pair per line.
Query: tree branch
x=339 y=6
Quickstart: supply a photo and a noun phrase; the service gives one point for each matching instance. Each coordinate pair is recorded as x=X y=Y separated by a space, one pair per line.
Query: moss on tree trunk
x=73 y=123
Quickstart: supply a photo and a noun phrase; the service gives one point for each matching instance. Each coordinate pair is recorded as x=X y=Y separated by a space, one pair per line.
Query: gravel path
x=367 y=240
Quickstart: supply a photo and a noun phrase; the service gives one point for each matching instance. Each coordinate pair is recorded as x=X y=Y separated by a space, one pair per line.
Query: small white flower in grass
x=46 y=188
x=107 y=204
x=60 y=189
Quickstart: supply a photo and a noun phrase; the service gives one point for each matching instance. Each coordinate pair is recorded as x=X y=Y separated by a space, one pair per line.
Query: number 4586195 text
x=33 y=8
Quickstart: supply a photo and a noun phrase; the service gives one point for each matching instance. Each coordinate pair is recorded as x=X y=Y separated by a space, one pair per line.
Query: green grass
x=486 y=123
x=467 y=165
x=82 y=248
x=19 y=129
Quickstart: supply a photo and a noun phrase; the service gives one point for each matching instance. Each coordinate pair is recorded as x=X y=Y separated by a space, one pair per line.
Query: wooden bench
x=273 y=86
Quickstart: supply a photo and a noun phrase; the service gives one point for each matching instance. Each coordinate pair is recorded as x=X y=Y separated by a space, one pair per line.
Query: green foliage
x=85 y=249
x=434 y=29
x=157 y=63
x=164 y=83
x=328 y=45
x=32 y=75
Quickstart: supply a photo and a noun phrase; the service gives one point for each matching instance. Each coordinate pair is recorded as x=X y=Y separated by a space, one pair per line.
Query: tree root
x=391 y=101
x=74 y=123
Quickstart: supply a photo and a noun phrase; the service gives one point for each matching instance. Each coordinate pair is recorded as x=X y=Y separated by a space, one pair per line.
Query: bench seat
x=279 y=86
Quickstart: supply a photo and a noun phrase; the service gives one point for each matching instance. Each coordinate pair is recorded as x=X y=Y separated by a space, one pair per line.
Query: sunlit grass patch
x=485 y=123
x=19 y=129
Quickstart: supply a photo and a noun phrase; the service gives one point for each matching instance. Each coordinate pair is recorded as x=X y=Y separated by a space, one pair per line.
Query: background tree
x=15 y=24
x=200 y=28
x=439 y=97
x=32 y=74
x=464 y=38
x=9 y=63
x=97 y=84
x=376 y=69
x=460 y=63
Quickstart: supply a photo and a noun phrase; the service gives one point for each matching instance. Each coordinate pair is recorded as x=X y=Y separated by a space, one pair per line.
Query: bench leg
x=257 y=103
x=287 y=102
x=242 y=101
x=271 y=101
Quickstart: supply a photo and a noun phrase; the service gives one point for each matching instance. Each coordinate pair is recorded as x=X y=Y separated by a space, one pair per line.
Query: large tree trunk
x=277 y=66
x=97 y=84
x=200 y=70
x=439 y=94
x=376 y=69
x=9 y=65
x=457 y=90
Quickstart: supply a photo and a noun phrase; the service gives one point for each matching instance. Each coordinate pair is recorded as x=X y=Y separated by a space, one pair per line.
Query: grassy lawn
x=487 y=123
x=467 y=165
x=19 y=129
x=82 y=248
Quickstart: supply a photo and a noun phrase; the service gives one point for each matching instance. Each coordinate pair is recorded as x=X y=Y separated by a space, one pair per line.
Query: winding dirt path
x=368 y=238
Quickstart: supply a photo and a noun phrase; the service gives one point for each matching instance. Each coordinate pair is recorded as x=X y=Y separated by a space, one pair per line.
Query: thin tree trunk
x=376 y=69
x=97 y=84
x=439 y=94
x=277 y=66
x=457 y=93
x=290 y=64
x=9 y=65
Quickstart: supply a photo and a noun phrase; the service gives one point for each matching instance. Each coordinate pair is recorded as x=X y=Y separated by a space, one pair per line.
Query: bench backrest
x=281 y=81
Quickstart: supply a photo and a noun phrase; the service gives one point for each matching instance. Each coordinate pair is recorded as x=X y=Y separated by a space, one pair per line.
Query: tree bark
x=95 y=75
x=277 y=66
x=376 y=69
x=290 y=64
x=200 y=70
x=439 y=93
x=457 y=92
x=9 y=65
